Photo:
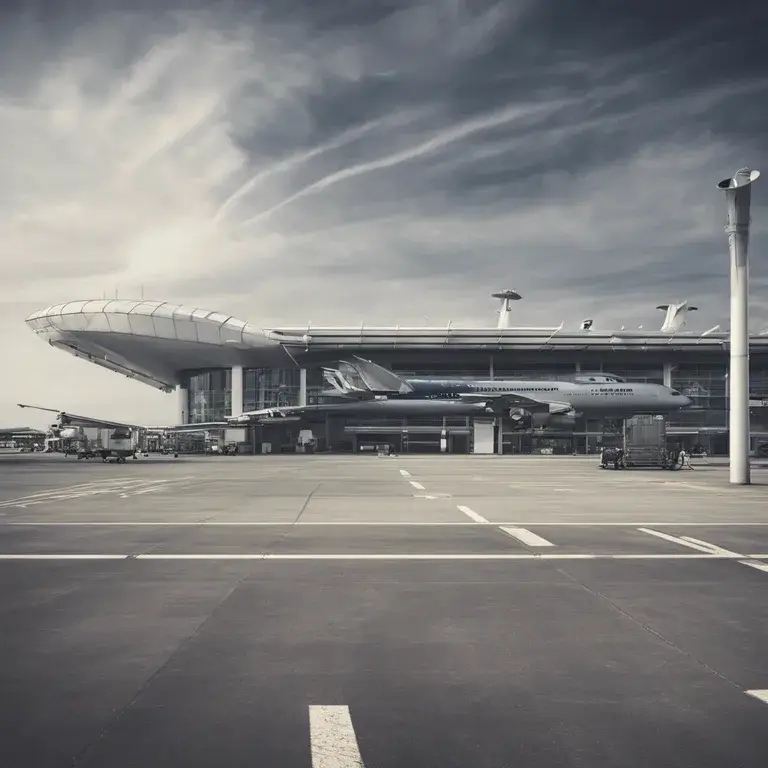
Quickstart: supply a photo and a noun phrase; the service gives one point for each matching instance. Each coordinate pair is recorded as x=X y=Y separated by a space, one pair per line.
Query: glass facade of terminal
x=703 y=378
x=210 y=392
x=210 y=395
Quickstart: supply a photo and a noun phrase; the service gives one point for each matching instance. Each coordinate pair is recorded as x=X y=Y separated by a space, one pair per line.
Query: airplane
x=370 y=389
x=121 y=443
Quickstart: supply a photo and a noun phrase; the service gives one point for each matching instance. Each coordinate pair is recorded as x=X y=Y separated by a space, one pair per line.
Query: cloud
x=339 y=162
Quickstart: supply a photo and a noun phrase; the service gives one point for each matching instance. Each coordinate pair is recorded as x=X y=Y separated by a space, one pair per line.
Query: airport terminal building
x=217 y=366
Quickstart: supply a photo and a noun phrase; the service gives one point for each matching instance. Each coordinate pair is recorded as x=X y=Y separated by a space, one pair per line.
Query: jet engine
x=64 y=433
x=520 y=418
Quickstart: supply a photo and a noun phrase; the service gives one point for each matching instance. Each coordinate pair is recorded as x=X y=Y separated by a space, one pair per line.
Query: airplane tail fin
x=342 y=386
x=377 y=378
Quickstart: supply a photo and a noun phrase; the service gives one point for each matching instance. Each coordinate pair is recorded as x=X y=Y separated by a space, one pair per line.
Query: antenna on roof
x=506 y=297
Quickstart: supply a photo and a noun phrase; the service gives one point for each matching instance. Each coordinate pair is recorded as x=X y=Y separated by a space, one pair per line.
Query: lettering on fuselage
x=513 y=389
x=612 y=391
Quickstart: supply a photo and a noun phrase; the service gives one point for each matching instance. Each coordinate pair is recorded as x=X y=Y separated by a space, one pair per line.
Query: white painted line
x=471 y=514
x=677 y=540
x=96 y=487
x=417 y=486
x=379 y=523
x=515 y=556
x=714 y=550
x=755 y=564
x=112 y=523
x=405 y=473
x=657 y=556
x=532 y=556
x=456 y=556
x=332 y=738
x=204 y=556
x=635 y=523
x=52 y=491
x=689 y=541
x=759 y=693
x=526 y=537
x=712 y=547
x=62 y=557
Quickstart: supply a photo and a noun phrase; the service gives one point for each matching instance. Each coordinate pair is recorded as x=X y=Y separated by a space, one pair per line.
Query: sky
x=336 y=161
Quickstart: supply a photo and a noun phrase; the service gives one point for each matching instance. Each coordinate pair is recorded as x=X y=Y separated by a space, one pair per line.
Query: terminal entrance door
x=458 y=442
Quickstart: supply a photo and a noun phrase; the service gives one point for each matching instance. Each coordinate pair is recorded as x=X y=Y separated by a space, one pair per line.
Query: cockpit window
x=675 y=392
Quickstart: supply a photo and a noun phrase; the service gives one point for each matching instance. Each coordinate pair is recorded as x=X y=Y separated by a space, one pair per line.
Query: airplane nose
x=686 y=401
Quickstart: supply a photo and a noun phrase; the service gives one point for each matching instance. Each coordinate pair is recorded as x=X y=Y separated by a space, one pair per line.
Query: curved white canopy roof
x=149 y=340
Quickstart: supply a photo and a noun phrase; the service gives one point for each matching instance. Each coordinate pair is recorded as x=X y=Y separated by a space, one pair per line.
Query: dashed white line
x=417 y=486
x=526 y=537
x=332 y=738
x=405 y=473
x=471 y=514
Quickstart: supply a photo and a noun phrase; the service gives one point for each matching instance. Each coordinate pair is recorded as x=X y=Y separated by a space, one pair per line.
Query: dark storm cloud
x=391 y=158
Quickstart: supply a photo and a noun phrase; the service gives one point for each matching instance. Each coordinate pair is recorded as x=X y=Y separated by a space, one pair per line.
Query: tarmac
x=348 y=611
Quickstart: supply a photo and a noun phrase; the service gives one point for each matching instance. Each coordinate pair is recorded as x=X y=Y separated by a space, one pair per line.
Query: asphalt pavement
x=347 y=611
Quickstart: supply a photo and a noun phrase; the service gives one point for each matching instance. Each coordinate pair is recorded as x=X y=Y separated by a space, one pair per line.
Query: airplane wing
x=66 y=419
x=279 y=412
x=514 y=400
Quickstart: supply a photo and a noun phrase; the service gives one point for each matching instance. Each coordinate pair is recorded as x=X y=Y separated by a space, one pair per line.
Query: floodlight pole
x=738 y=191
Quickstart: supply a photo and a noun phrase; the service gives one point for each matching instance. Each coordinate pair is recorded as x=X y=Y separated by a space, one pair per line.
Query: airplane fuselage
x=599 y=399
